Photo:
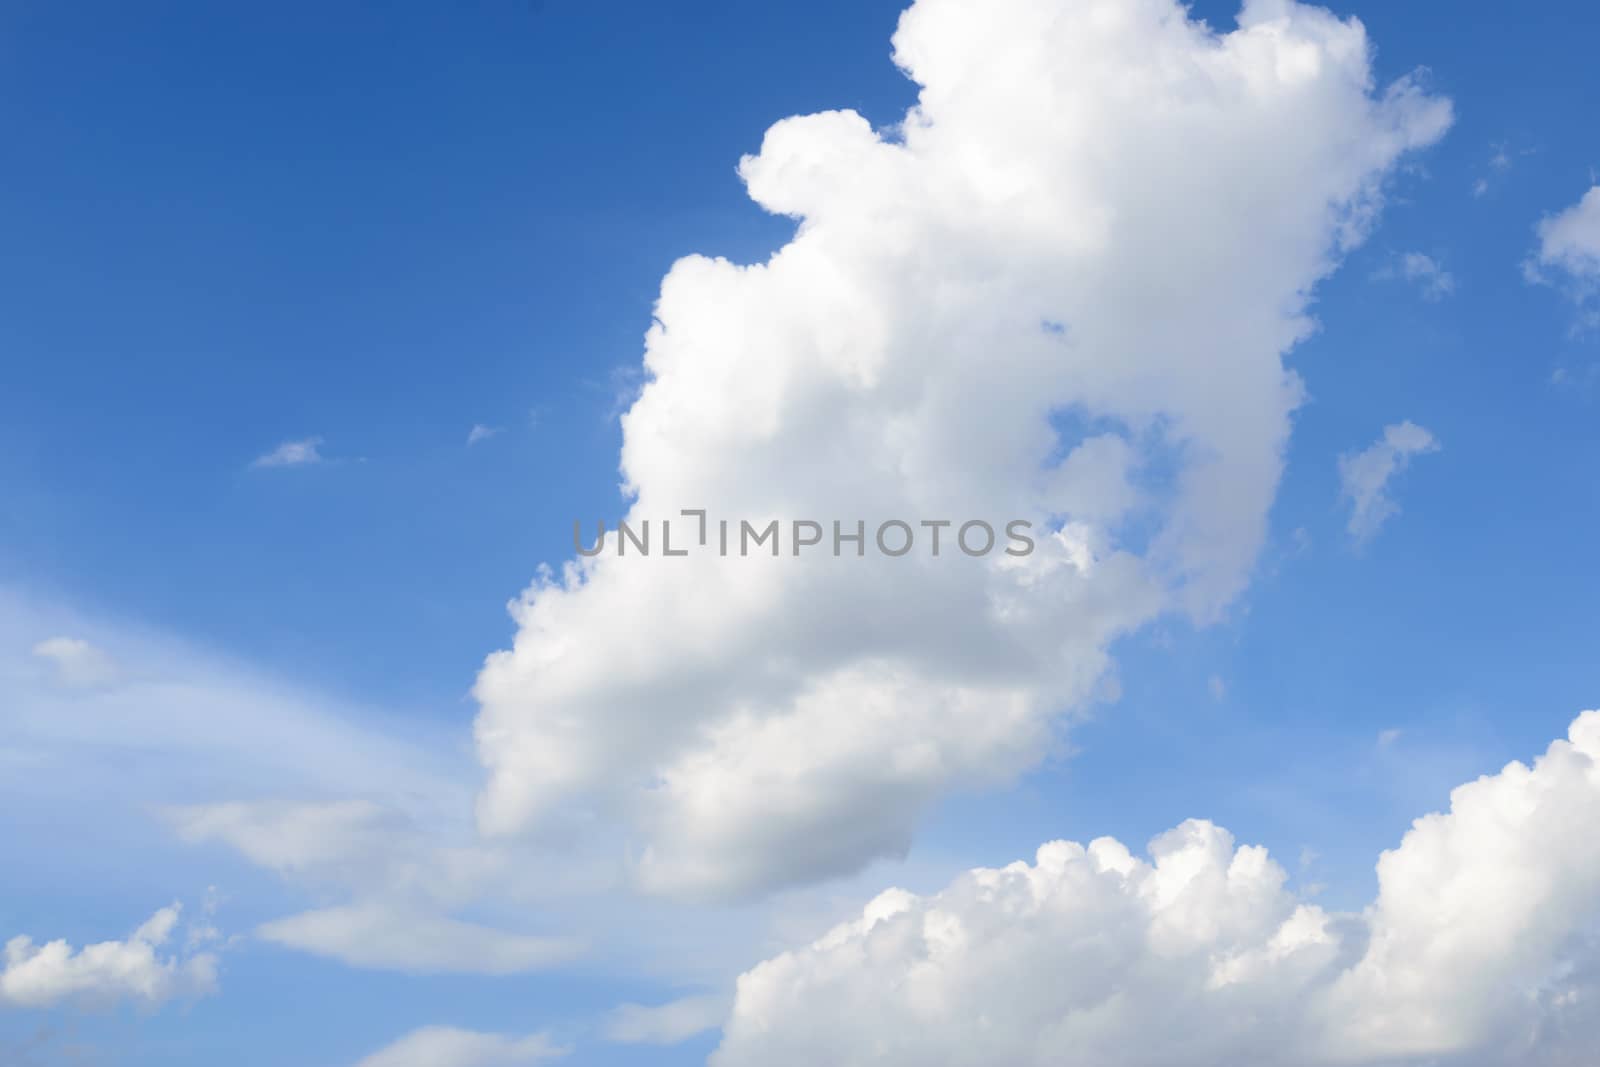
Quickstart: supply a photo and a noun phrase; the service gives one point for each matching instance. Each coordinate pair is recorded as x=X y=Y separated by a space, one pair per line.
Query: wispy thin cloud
x=622 y=386
x=1421 y=270
x=1579 y=379
x=301 y=453
x=445 y=1046
x=667 y=1024
x=1365 y=476
x=1501 y=159
x=480 y=432
x=78 y=664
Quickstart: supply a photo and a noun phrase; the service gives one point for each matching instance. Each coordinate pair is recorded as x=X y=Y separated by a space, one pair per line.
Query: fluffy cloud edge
x=107 y=972
x=1567 y=257
x=1481 y=947
x=1066 y=294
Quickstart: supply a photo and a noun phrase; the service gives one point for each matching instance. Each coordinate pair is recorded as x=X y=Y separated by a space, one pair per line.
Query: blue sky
x=228 y=229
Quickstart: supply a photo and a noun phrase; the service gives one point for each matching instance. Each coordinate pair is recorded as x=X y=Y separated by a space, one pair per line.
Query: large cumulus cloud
x=1061 y=289
x=1479 y=949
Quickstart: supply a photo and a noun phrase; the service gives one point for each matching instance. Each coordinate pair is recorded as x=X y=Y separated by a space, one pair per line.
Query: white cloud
x=420 y=896
x=1479 y=948
x=352 y=844
x=77 y=663
x=380 y=937
x=666 y=1024
x=480 y=432
x=1365 y=476
x=1568 y=255
x=401 y=880
x=397 y=857
x=1434 y=282
x=292 y=454
x=1166 y=195
x=1570 y=240
x=1581 y=380
x=41 y=976
x=375 y=809
x=1500 y=161
x=443 y=1046
x=183 y=721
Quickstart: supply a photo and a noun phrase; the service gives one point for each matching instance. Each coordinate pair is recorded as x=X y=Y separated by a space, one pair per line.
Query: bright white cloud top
x=1075 y=283
x=1064 y=294
x=41 y=976
x=1479 y=948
